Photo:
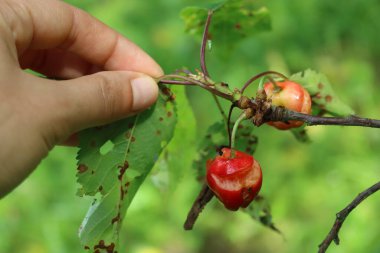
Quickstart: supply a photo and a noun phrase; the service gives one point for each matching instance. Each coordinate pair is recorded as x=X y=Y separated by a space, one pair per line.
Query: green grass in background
x=306 y=184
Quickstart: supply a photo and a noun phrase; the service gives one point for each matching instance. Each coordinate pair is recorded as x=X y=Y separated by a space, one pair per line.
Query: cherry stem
x=254 y=78
x=234 y=131
x=229 y=125
x=204 y=44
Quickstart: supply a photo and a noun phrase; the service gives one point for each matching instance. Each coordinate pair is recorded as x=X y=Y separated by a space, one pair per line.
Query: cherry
x=290 y=95
x=234 y=178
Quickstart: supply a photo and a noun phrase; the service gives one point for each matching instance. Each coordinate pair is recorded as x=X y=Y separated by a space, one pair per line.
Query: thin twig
x=200 y=202
x=204 y=44
x=191 y=81
x=342 y=215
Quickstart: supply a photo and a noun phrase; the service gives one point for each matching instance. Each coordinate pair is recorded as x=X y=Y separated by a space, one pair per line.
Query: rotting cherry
x=290 y=95
x=234 y=178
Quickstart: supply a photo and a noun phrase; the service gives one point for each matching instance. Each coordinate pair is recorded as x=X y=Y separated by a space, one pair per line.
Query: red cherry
x=290 y=95
x=235 y=181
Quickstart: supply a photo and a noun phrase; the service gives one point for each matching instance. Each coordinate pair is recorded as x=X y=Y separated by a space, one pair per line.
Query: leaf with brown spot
x=259 y=209
x=233 y=21
x=322 y=94
x=115 y=176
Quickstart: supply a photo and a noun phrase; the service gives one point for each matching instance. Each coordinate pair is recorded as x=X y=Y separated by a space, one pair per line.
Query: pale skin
x=107 y=78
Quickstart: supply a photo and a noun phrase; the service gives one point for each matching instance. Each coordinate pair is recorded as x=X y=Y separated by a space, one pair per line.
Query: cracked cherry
x=235 y=180
x=290 y=95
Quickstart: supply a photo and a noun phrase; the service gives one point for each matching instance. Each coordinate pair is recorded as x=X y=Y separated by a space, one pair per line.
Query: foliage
x=233 y=21
x=306 y=184
x=113 y=161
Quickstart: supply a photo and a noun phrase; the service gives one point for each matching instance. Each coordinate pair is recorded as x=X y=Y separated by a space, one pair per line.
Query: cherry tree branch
x=204 y=196
x=273 y=113
x=284 y=115
x=342 y=215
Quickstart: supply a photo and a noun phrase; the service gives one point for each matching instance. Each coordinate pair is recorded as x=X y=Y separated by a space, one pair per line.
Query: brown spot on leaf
x=320 y=86
x=123 y=168
x=328 y=98
x=167 y=92
x=82 y=168
x=86 y=247
x=158 y=132
x=116 y=219
x=169 y=114
x=238 y=26
x=161 y=119
x=133 y=139
x=122 y=193
x=100 y=188
x=101 y=245
x=318 y=96
x=128 y=135
x=248 y=150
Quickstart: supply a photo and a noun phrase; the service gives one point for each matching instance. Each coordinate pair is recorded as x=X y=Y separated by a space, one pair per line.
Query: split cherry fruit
x=235 y=180
x=290 y=95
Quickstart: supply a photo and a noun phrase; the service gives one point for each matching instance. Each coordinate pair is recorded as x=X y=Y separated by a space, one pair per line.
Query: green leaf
x=322 y=93
x=113 y=161
x=232 y=21
x=259 y=210
x=300 y=134
x=217 y=136
x=178 y=155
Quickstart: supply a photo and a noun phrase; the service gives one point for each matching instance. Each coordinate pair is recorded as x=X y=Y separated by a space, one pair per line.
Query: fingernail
x=145 y=92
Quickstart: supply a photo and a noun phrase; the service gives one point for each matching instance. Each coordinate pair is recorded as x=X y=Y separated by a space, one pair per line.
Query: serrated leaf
x=113 y=161
x=259 y=210
x=322 y=93
x=233 y=20
x=217 y=136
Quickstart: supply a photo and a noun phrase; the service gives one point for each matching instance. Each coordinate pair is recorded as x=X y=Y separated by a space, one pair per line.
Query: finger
x=68 y=66
x=69 y=28
x=104 y=97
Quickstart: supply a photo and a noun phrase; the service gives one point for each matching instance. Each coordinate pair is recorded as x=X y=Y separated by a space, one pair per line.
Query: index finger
x=48 y=24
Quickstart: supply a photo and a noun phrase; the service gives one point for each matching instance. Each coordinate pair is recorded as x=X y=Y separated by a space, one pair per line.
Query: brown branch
x=284 y=115
x=200 y=202
x=342 y=215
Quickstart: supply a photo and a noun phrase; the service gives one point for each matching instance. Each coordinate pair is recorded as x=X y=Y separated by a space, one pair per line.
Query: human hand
x=58 y=40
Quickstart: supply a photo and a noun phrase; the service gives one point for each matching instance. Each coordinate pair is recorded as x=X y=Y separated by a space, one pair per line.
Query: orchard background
x=306 y=184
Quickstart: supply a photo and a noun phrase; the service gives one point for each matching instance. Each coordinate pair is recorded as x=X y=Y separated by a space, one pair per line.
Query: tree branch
x=200 y=202
x=284 y=115
x=342 y=215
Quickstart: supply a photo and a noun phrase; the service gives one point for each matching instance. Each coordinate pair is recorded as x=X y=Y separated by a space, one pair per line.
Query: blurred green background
x=306 y=184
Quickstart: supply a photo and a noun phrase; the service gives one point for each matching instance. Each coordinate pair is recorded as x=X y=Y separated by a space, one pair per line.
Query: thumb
x=107 y=96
